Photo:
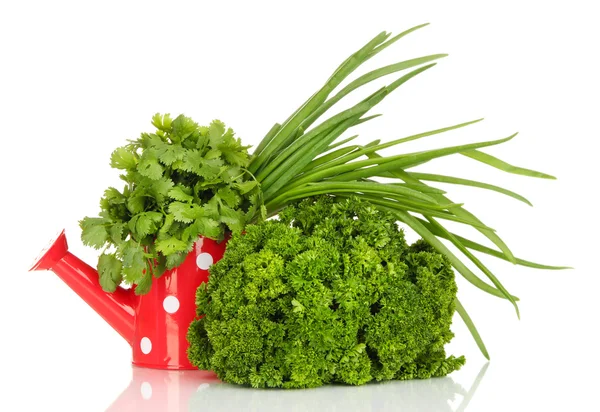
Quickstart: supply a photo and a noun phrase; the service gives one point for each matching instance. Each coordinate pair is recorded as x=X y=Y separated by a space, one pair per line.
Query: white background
x=78 y=78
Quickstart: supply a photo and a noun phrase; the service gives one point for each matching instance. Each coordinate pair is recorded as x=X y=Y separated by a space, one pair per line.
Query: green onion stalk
x=304 y=157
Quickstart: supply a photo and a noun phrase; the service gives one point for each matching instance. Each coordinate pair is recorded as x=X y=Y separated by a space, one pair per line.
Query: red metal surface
x=157 y=329
x=155 y=324
x=115 y=308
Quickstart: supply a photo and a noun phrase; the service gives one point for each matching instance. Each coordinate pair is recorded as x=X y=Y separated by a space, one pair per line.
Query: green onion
x=305 y=156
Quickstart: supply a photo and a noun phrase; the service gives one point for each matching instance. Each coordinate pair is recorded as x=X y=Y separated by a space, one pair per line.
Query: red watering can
x=155 y=324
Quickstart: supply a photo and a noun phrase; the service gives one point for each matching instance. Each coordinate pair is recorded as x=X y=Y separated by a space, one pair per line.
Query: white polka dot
x=204 y=260
x=146 y=345
x=146 y=390
x=171 y=304
x=202 y=387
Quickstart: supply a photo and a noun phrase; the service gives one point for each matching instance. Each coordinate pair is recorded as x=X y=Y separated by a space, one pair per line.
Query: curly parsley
x=330 y=293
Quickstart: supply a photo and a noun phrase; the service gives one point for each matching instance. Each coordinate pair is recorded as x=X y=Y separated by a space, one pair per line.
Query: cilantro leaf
x=230 y=197
x=160 y=266
x=158 y=189
x=182 y=127
x=123 y=158
x=113 y=197
x=149 y=166
x=215 y=133
x=209 y=227
x=178 y=193
x=263 y=212
x=245 y=187
x=185 y=212
x=170 y=246
x=233 y=218
x=150 y=140
x=116 y=232
x=211 y=168
x=211 y=208
x=93 y=232
x=109 y=272
x=145 y=223
x=191 y=232
x=144 y=284
x=192 y=161
x=204 y=226
x=136 y=203
x=195 y=162
x=212 y=154
x=203 y=140
x=232 y=149
x=163 y=231
x=169 y=153
x=162 y=122
x=134 y=262
x=175 y=260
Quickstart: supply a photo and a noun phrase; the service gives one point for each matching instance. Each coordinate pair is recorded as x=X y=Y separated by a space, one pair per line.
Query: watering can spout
x=116 y=308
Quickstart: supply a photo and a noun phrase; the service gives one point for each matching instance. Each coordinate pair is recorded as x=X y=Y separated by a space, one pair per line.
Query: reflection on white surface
x=158 y=390
x=161 y=390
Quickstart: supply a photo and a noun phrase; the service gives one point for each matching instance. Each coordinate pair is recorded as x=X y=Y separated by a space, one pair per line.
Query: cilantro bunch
x=182 y=181
x=330 y=293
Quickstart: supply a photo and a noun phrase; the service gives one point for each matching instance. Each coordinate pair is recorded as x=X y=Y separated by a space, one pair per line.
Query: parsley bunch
x=330 y=293
x=182 y=181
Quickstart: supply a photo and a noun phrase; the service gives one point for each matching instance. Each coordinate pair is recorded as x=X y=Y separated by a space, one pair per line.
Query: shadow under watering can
x=155 y=324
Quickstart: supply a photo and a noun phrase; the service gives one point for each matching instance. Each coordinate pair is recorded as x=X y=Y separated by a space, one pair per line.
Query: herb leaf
x=109 y=271
x=183 y=181
x=93 y=232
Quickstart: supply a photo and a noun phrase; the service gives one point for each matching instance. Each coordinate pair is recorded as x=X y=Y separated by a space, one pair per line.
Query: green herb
x=338 y=297
x=183 y=180
x=302 y=158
